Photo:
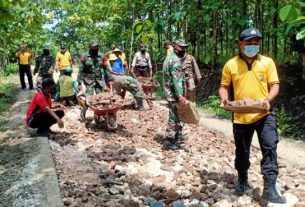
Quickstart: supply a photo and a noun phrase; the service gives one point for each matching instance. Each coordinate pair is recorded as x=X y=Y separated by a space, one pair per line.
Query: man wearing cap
x=63 y=59
x=253 y=76
x=44 y=65
x=141 y=65
x=24 y=56
x=91 y=75
x=122 y=83
x=175 y=93
x=190 y=70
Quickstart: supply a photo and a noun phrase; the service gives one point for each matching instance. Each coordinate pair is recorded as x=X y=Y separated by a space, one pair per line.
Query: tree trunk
x=214 y=55
x=275 y=28
x=169 y=31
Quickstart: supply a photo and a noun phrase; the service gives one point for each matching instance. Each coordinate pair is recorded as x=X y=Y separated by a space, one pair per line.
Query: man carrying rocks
x=253 y=76
x=175 y=93
x=191 y=72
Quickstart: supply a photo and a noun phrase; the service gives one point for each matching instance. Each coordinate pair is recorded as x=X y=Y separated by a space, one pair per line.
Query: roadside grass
x=9 y=91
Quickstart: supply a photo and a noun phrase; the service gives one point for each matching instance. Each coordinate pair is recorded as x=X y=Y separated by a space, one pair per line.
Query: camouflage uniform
x=91 y=74
x=43 y=64
x=130 y=84
x=173 y=86
x=192 y=73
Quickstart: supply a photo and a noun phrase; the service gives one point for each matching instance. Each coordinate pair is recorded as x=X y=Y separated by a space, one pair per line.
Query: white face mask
x=251 y=50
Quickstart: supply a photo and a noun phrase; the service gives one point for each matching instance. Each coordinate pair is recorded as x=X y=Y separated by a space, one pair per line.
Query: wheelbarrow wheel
x=97 y=119
x=111 y=122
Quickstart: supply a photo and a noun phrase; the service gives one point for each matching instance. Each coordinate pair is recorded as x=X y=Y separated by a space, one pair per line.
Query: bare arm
x=273 y=92
x=224 y=94
x=52 y=113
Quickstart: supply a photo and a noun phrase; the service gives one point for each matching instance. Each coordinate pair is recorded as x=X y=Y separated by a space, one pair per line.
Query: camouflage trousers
x=174 y=125
x=41 y=77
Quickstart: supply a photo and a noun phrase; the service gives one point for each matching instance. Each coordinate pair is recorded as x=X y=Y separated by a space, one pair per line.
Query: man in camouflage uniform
x=44 y=65
x=122 y=83
x=192 y=75
x=90 y=76
x=175 y=92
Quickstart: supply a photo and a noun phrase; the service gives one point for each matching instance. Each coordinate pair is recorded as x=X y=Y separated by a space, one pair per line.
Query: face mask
x=46 y=52
x=180 y=53
x=251 y=50
x=93 y=52
x=143 y=50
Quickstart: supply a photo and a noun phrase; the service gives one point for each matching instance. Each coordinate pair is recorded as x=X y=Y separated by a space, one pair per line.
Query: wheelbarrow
x=109 y=115
x=149 y=85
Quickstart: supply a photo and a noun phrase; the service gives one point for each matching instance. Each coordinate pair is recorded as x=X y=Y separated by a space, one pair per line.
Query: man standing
x=91 y=74
x=24 y=56
x=40 y=114
x=44 y=65
x=191 y=72
x=141 y=65
x=63 y=59
x=253 y=76
x=175 y=92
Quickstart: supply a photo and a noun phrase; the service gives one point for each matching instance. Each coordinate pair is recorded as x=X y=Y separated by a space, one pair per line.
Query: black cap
x=62 y=46
x=250 y=33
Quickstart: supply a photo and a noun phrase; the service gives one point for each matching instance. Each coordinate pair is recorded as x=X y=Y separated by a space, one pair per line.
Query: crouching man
x=40 y=113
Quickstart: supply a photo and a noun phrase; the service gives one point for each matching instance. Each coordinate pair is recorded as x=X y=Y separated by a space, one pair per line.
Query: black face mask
x=45 y=52
x=180 y=54
x=93 y=52
x=143 y=51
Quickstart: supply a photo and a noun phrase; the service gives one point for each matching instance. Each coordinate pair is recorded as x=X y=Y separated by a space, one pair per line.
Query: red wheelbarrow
x=149 y=85
x=109 y=115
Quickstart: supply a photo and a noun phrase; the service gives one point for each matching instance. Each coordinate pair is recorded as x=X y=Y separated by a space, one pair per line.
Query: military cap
x=250 y=33
x=181 y=43
x=93 y=43
x=68 y=69
x=62 y=46
x=45 y=47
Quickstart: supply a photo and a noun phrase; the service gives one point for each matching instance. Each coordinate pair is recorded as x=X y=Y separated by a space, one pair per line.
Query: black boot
x=242 y=182
x=270 y=193
x=140 y=105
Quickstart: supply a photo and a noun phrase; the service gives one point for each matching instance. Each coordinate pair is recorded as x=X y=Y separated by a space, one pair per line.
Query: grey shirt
x=141 y=59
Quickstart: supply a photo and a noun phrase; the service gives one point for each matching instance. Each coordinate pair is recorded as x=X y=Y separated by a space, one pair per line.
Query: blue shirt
x=118 y=66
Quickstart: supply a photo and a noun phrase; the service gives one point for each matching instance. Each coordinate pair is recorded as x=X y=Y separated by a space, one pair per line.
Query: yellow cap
x=112 y=57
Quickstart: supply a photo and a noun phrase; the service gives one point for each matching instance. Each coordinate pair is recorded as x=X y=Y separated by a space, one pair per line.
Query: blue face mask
x=251 y=50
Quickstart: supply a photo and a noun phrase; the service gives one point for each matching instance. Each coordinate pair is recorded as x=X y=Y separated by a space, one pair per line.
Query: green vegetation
x=212 y=104
x=9 y=69
x=10 y=91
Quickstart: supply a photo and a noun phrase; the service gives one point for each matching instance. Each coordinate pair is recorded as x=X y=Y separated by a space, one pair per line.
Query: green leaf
x=300 y=35
x=138 y=28
x=148 y=23
x=289 y=13
x=302 y=4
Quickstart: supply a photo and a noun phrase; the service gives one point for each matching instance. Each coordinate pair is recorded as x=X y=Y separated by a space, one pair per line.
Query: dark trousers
x=142 y=72
x=44 y=120
x=25 y=69
x=268 y=139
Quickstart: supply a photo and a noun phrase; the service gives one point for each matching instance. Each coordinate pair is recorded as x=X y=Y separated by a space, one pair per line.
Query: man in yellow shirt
x=24 y=56
x=253 y=76
x=63 y=59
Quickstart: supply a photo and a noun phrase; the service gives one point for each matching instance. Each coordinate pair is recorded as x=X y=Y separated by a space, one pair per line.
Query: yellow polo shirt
x=64 y=60
x=249 y=82
x=24 y=58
